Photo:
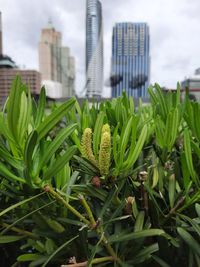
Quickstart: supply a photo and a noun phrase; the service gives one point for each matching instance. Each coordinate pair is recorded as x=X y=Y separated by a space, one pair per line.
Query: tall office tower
x=94 y=49
x=54 y=64
x=130 y=69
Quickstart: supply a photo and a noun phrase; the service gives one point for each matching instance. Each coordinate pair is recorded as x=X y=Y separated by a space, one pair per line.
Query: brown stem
x=94 y=261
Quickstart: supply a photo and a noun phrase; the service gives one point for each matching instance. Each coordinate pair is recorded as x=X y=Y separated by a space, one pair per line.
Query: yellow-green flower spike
x=86 y=146
x=104 y=153
x=106 y=128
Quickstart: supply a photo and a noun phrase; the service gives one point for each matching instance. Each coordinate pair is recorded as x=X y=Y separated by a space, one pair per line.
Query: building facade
x=130 y=70
x=94 y=49
x=193 y=85
x=31 y=78
x=55 y=64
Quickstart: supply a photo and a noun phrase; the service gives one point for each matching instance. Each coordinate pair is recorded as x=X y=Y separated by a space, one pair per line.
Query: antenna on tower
x=50 y=23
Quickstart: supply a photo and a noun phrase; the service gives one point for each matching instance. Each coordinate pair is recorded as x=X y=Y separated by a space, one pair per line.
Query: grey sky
x=174 y=32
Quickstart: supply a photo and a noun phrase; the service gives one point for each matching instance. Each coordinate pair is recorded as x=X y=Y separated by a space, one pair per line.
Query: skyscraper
x=55 y=64
x=130 y=69
x=94 y=48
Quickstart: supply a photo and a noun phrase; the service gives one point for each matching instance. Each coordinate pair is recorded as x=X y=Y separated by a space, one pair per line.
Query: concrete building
x=94 y=49
x=130 y=70
x=31 y=78
x=55 y=64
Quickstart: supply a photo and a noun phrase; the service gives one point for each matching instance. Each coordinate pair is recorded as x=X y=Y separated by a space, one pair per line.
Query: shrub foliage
x=105 y=184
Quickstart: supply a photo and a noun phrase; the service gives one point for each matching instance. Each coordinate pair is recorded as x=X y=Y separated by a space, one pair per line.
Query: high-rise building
x=55 y=64
x=130 y=71
x=94 y=49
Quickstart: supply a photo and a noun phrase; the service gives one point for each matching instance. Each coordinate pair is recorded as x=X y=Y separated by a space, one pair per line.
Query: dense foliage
x=105 y=184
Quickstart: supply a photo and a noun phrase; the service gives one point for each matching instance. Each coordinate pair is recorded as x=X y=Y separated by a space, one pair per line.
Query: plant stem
x=94 y=261
x=98 y=230
x=20 y=231
x=88 y=210
x=50 y=190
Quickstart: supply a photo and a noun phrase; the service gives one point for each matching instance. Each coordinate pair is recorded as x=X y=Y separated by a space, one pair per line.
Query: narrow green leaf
x=139 y=221
x=28 y=257
x=10 y=159
x=160 y=261
x=137 y=235
x=6 y=173
x=59 y=163
x=133 y=155
x=97 y=132
x=4 y=239
x=188 y=155
x=125 y=138
x=131 y=105
x=59 y=249
x=56 y=143
x=171 y=190
x=189 y=240
x=162 y=102
x=21 y=125
x=145 y=254
x=14 y=106
x=40 y=107
x=29 y=149
x=20 y=203
x=51 y=120
x=174 y=127
x=115 y=144
x=75 y=138
x=197 y=208
x=4 y=130
x=155 y=177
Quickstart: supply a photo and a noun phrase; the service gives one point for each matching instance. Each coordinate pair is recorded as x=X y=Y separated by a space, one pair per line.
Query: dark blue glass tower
x=130 y=71
x=94 y=48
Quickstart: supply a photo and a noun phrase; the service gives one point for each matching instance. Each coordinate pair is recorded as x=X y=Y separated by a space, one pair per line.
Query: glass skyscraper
x=130 y=71
x=94 y=49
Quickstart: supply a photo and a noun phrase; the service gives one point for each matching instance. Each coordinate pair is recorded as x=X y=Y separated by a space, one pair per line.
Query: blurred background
x=173 y=30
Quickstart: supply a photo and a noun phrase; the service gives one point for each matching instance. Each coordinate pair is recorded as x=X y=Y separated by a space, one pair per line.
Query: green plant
x=108 y=185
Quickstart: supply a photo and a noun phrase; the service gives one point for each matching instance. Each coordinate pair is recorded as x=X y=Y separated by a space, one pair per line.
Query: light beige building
x=55 y=64
x=31 y=78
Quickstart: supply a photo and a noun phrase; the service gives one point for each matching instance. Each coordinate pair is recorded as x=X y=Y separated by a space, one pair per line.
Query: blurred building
x=55 y=63
x=130 y=70
x=29 y=77
x=94 y=49
x=9 y=70
x=193 y=85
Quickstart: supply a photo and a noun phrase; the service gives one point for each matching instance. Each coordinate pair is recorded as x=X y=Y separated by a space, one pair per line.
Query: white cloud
x=174 y=32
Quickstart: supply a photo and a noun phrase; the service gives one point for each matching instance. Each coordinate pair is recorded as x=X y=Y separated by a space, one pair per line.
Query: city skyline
x=130 y=70
x=174 y=54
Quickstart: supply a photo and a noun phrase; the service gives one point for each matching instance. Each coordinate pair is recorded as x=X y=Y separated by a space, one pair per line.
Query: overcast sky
x=174 y=33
